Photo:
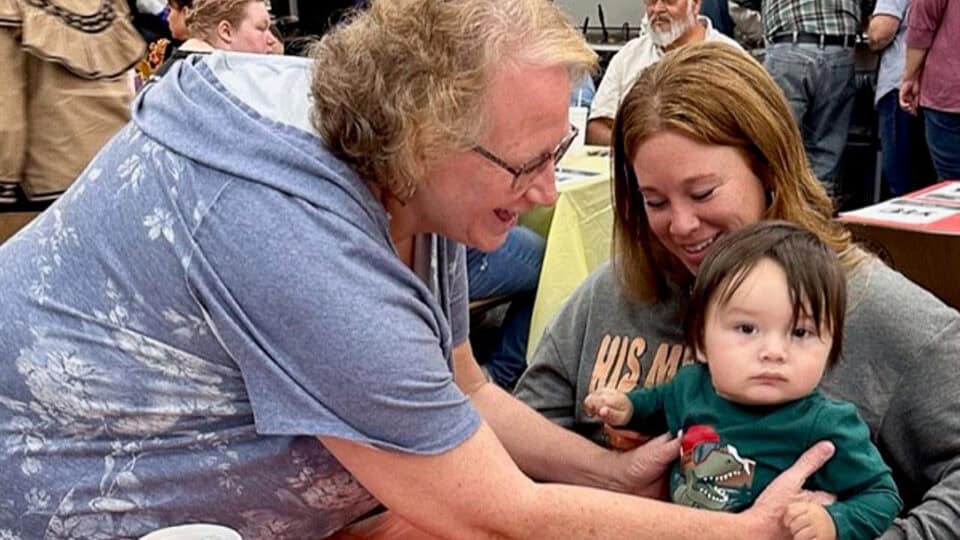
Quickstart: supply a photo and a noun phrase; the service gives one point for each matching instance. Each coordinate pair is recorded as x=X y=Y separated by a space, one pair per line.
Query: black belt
x=809 y=37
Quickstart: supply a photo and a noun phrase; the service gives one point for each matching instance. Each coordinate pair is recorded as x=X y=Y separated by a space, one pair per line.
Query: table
x=578 y=231
x=918 y=234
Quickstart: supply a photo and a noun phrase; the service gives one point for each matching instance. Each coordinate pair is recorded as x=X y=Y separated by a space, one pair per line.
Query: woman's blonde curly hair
x=403 y=82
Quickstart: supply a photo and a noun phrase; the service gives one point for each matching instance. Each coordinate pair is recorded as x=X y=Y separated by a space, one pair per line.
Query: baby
x=766 y=320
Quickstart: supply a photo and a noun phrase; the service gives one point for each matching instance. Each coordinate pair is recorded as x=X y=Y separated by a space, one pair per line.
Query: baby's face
x=756 y=353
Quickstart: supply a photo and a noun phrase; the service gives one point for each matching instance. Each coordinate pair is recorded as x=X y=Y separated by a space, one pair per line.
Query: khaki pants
x=54 y=122
x=13 y=122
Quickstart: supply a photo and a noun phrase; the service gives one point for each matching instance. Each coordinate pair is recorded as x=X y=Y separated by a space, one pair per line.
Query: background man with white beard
x=669 y=24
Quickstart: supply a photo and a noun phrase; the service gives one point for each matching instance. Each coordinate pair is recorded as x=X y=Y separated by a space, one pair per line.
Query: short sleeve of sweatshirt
x=334 y=335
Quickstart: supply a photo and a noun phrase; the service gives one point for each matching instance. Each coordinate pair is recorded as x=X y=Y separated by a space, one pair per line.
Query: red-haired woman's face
x=695 y=192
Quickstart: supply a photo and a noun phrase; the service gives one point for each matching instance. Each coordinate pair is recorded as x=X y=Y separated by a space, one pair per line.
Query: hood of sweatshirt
x=248 y=115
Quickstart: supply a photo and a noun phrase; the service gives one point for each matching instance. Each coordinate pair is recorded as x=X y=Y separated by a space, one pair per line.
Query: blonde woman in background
x=208 y=25
x=231 y=25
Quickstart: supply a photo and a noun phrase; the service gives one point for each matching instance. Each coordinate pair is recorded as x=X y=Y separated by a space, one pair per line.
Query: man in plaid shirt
x=810 y=47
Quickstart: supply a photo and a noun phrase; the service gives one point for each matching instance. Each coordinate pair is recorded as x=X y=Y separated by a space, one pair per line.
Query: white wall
x=615 y=12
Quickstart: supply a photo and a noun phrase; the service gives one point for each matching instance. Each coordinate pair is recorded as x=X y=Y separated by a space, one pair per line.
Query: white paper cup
x=194 y=531
x=578 y=118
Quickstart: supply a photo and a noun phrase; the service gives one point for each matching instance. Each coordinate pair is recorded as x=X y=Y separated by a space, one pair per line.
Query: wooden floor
x=11 y=222
x=13 y=216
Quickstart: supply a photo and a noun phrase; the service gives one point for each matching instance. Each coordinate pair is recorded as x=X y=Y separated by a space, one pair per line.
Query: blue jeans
x=943 y=137
x=513 y=268
x=819 y=85
x=905 y=164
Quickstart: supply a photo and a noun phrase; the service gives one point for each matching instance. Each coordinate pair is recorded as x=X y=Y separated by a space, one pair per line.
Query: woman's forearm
x=545 y=451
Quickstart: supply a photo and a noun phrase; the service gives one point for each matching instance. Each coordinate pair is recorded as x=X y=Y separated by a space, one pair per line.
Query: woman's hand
x=767 y=517
x=643 y=470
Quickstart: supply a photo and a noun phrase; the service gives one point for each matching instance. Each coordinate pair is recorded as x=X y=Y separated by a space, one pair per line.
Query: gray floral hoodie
x=199 y=305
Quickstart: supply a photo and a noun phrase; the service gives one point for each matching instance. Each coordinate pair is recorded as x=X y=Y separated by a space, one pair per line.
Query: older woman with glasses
x=251 y=309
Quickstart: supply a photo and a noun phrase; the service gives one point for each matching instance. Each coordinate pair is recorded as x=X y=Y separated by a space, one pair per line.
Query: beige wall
x=615 y=12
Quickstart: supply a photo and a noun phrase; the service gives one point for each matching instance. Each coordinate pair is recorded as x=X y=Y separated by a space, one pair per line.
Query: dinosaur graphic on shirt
x=713 y=475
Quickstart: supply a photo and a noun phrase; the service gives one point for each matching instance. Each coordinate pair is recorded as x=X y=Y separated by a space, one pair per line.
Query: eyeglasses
x=523 y=171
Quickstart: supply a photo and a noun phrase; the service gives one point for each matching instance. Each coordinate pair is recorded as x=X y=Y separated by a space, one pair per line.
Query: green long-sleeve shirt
x=749 y=445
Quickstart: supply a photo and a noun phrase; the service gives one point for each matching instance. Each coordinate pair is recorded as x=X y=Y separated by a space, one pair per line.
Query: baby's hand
x=809 y=521
x=609 y=405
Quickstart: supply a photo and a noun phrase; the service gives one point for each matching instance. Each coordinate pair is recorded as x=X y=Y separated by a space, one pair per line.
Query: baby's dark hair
x=814 y=277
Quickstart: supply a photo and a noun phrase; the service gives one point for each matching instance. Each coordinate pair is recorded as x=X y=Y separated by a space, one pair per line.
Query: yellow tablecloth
x=577 y=229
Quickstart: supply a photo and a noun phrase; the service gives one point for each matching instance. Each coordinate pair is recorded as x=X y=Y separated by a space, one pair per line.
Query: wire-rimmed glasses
x=522 y=177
